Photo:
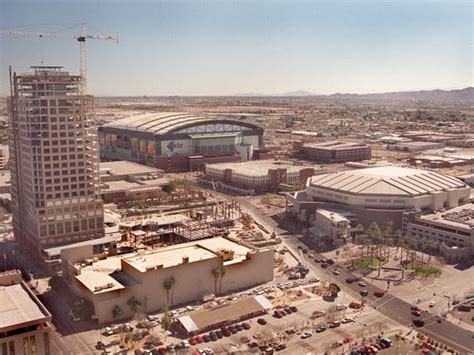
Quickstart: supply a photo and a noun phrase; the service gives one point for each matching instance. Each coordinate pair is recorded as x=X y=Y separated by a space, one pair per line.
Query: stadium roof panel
x=387 y=181
x=166 y=122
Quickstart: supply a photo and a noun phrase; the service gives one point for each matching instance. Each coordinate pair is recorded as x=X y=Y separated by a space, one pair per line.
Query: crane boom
x=81 y=38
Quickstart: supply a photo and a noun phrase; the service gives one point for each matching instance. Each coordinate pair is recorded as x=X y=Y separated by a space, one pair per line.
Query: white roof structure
x=387 y=180
x=167 y=122
x=256 y=167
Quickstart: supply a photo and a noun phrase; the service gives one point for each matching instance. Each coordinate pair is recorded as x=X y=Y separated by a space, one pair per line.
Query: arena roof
x=387 y=180
x=166 y=122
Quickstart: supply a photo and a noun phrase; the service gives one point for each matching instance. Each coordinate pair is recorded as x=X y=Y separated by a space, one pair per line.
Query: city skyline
x=227 y=48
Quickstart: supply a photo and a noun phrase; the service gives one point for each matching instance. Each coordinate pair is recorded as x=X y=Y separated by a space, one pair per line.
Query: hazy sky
x=228 y=47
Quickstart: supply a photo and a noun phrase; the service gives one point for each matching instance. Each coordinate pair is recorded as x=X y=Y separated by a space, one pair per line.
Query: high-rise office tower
x=54 y=160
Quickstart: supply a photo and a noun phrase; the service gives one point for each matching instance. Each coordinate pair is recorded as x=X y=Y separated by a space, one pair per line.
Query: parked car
x=306 y=335
x=336 y=272
x=362 y=284
x=335 y=324
x=206 y=338
x=346 y=320
x=279 y=347
x=364 y=292
x=321 y=329
x=294 y=309
x=416 y=313
x=379 y=293
x=246 y=325
x=261 y=321
x=418 y=322
x=219 y=334
x=324 y=265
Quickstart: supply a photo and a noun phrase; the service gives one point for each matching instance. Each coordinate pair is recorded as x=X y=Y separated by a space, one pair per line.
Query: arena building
x=178 y=141
x=381 y=194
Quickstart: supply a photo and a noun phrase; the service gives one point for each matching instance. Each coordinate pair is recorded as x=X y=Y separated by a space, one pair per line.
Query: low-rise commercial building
x=334 y=151
x=451 y=231
x=194 y=269
x=203 y=320
x=24 y=321
x=259 y=175
x=125 y=181
x=332 y=225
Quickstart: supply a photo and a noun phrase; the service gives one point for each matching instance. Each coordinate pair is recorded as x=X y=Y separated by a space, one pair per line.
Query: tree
x=430 y=246
x=135 y=305
x=165 y=320
x=117 y=312
x=222 y=272
x=374 y=233
x=216 y=274
x=168 y=286
x=387 y=237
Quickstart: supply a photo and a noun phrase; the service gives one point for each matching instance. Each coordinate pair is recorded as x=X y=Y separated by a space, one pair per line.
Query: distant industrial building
x=415 y=146
x=451 y=231
x=54 y=160
x=333 y=151
x=177 y=142
x=257 y=176
x=110 y=282
x=24 y=321
x=380 y=194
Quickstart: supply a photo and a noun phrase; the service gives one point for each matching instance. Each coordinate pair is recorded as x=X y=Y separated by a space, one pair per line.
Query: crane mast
x=82 y=37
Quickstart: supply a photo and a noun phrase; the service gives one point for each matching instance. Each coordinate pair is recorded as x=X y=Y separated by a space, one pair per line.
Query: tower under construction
x=54 y=160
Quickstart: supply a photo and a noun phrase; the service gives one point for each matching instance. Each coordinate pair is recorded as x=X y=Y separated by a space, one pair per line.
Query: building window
x=4 y=349
x=46 y=344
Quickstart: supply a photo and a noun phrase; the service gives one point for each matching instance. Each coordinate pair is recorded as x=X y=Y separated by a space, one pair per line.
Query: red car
x=199 y=339
x=261 y=321
x=193 y=341
x=416 y=313
x=246 y=325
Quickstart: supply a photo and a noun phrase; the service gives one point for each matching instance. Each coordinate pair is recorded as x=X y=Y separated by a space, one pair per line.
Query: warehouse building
x=381 y=194
x=112 y=281
x=334 y=151
x=257 y=176
x=415 y=146
x=450 y=231
x=178 y=141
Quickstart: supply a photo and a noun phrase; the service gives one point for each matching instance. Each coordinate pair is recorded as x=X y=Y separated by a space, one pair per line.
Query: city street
x=389 y=305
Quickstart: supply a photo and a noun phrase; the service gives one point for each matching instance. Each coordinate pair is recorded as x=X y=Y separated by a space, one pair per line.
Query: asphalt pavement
x=389 y=305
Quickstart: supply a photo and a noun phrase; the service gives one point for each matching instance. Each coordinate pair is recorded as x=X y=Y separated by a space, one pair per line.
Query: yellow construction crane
x=81 y=38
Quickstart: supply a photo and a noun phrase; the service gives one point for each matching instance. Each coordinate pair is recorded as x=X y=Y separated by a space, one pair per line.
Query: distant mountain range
x=466 y=94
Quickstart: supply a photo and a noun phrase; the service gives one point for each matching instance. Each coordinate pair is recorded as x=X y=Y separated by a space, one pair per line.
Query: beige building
x=54 y=160
x=334 y=151
x=332 y=225
x=451 y=231
x=114 y=280
x=258 y=175
x=24 y=321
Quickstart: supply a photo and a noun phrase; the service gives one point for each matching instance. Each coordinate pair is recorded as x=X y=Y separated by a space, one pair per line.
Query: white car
x=432 y=303
x=108 y=331
x=336 y=272
x=362 y=284
x=346 y=320
x=306 y=335
x=341 y=306
x=185 y=344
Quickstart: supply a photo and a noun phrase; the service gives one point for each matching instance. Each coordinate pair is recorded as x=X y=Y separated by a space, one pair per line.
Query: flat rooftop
x=5 y=178
x=106 y=275
x=124 y=167
x=459 y=217
x=18 y=309
x=334 y=145
x=257 y=167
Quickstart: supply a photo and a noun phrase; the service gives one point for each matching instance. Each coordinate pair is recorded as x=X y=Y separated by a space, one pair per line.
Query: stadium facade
x=179 y=141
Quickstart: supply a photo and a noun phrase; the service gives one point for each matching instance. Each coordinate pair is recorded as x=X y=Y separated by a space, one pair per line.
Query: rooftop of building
x=388 y=180
x=166 y=122
x=335 y=216
x=124 y=168
x=5 y=178
x=18 y=308
x=257 y=167
x=334 y=145
x=459 y=217
x=417 y=144
x=56 y=251
x=106 y=275
x=221 y=313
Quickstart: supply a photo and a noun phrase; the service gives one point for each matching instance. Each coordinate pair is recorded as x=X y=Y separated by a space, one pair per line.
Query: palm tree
x=135 y=305
x=223 y=271
x=216 y=274
x=167 y=285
